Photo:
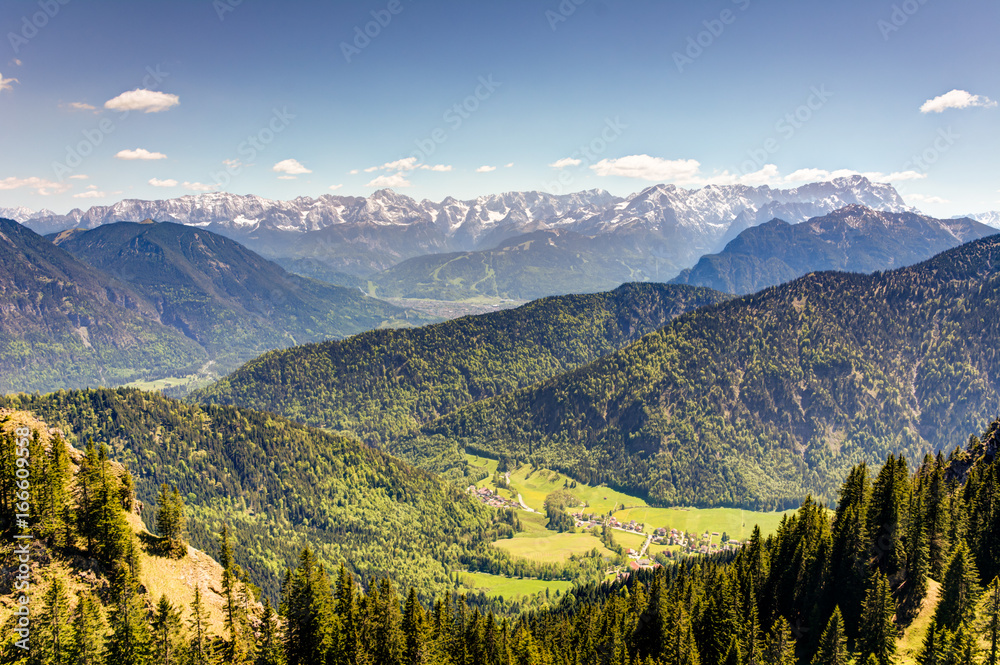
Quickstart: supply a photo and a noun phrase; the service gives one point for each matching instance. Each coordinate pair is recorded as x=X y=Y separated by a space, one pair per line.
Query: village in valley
x=670 y=542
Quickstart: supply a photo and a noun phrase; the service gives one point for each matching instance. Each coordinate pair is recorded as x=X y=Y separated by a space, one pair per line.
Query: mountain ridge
x=852 y=239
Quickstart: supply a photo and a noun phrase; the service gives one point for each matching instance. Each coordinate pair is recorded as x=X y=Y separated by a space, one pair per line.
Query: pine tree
x=959 y=590
x=170 y=520
x=733 y=656
x=780 y=649
x=235 y=649
x=934 y=650
x=167 y=632
x=88 y=631
x=130 y=642
x=271 y=651
x=200 y=649
x=989 y=626
x=389 y=639
x=413 y=630
x=53 y=642
x=877 y=630
x=311 y=622
x=833 y=643
x=963 y=649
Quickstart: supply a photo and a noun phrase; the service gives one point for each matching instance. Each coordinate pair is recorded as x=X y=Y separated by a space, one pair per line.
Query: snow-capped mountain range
x=991 y=218
x=364 y=235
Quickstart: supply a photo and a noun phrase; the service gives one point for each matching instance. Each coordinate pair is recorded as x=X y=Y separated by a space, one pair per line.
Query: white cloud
x=42 y=187
x=79 y=176
x=486 y=169
x=507 y=166
x=139 y=153
x=335 y=187
x=198 y=187
x=440 y=168
x=90 y=194
x=78 y=106
x=287 y=177
x=649 y=168
x=564 y=162
x=5 y=84
x=920 y=198
x=353 y=172
x=17 y=62
x=815 y=175
x=955 y=99
x=156 y=182
x=290 y=167
x=405 y=164
x=233 y=163
x=394 y=180
x=371 y=169
x=140 y=99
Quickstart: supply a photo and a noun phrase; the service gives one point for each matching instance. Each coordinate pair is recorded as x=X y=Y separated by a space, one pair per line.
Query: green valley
x=760 y=400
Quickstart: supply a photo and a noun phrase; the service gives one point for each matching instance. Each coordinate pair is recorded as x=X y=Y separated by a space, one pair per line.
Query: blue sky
x=106 y=100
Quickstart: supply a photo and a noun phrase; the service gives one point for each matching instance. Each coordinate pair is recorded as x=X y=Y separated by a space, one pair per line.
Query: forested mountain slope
x=64 y=323
x=387 y=382
x=762 y=399
x=854 y=238
x=279 y=486
x=225 y=297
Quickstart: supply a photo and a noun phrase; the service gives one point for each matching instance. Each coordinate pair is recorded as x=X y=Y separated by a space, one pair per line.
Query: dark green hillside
x=854 y=238
x=526 y=267
x=389 y=381
x=65 y=324
x=234 y=303
x=759 y=400
x=278 y=485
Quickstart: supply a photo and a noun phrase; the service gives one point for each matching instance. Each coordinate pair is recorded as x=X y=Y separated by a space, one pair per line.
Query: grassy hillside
x=761 y=400
x=387 y=382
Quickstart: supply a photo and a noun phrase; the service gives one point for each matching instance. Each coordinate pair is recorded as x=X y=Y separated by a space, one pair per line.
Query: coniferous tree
x=878 y=630
x=311 y=622
x=130 y=642
x=934 y=650
x=989 y=622
x=52 y=643
x=833 y=643
x=167 y=636
x=271 y=651
x=413 y=630
x=200 y=649
x=170 y=520
x=235 y=649
x=87 y=647
x=959 y=591
x=780 y=649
